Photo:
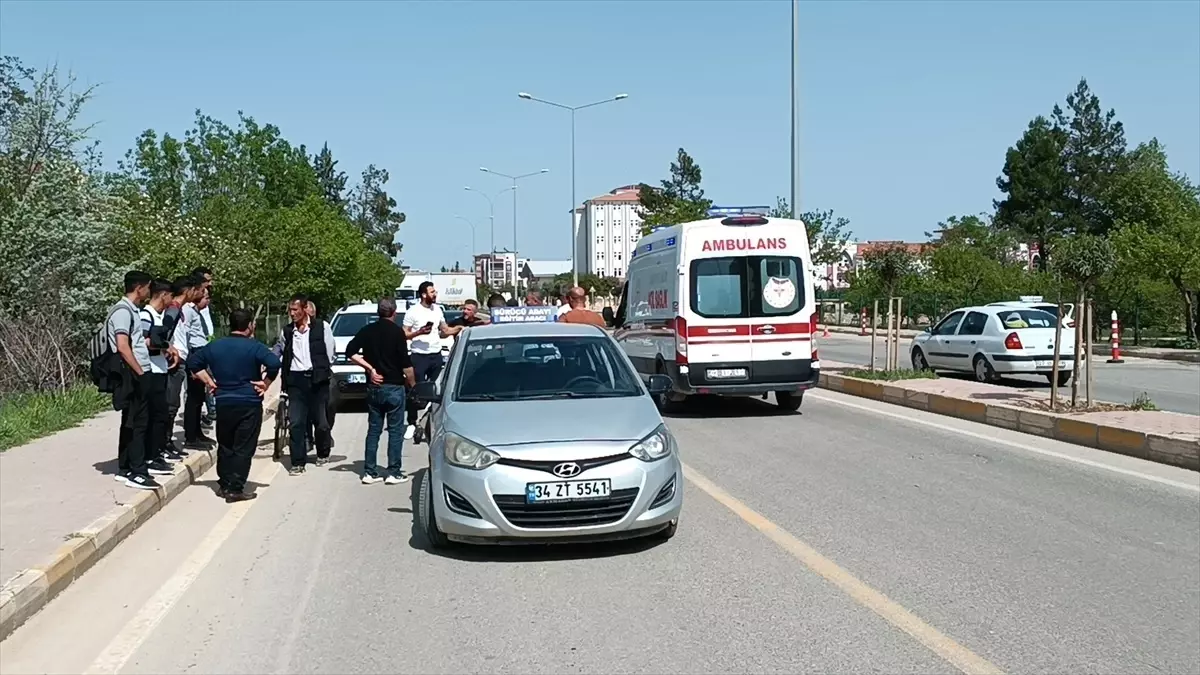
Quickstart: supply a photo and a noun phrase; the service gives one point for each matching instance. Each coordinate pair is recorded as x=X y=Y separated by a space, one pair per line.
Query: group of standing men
x=151 y=331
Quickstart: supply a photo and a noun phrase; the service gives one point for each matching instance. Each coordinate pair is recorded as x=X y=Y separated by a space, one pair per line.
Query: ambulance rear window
x=747 y=286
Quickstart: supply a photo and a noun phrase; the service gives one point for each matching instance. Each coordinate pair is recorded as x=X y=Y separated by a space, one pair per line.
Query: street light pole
x=491 y=210
x=472 y=224
x=795 y=188
x=572 y=109
x=514 y=179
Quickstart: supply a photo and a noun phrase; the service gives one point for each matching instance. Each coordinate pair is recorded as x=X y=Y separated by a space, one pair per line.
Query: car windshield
x=1026 y=318
x=348 y=325
x=530 y=368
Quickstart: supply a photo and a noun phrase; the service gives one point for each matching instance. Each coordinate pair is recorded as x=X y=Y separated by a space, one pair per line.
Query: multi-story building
x=535 y=273
x=607 y=229
x=498 y=269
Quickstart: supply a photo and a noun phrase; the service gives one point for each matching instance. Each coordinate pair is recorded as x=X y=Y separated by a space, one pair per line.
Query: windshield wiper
x=557 y=394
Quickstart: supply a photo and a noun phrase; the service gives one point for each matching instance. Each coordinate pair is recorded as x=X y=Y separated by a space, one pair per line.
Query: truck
x=454 y=288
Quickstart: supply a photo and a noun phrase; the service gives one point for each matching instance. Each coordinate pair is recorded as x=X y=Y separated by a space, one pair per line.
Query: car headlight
x=467 y=454
x=655 y=446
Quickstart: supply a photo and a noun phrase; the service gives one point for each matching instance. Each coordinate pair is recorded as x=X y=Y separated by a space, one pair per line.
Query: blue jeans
x=385 y=401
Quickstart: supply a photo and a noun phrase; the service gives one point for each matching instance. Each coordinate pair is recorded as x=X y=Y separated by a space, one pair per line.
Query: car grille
x=547 y=466
x=459 y=504
x=567 y=514
x=664 y=495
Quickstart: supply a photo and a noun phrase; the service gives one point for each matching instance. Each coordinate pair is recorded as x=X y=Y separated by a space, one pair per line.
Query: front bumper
x=350 y=380
x=488 y=506
x=763 y=377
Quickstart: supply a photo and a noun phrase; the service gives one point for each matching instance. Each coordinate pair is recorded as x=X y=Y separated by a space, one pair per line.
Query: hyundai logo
x=566 y=469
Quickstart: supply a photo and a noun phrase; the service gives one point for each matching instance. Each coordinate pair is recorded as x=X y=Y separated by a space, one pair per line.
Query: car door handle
x=972 y=342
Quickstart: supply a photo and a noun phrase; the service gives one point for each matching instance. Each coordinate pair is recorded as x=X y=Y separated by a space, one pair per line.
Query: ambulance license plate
x=726 y=373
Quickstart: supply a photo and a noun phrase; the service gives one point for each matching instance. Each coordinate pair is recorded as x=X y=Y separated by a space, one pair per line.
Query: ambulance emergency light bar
x=526 y=314
x=724 y=211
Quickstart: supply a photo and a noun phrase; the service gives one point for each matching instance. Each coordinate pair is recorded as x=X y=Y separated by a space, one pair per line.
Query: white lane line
x=1191 y=487
x=889 y=610
x=138 y=629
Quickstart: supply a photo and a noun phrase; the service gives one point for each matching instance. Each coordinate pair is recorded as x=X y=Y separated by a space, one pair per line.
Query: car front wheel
x=437 y=539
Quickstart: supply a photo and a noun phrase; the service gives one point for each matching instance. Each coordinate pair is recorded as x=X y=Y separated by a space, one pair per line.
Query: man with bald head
x=577 y=298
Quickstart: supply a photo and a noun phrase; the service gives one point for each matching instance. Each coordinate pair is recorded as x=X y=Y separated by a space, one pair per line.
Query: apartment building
x=499 y=269
x=607 y=229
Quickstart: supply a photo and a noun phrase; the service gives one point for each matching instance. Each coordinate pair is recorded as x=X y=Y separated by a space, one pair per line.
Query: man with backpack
x=162 y=356
x=120 y=370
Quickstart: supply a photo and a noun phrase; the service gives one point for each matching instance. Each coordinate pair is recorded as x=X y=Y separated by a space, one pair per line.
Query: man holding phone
x=425 y=350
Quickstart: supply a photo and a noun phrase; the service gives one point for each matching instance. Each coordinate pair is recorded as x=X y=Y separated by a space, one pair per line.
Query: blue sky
x=907 y=107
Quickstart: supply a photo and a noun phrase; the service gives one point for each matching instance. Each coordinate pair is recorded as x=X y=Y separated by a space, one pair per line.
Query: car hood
x=588 y=420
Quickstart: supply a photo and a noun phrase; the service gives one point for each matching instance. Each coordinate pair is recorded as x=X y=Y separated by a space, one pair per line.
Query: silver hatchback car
x=541 y=433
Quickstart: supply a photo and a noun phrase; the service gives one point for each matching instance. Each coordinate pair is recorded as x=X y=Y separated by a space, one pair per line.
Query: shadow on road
x=515 y=553
x=705 y=407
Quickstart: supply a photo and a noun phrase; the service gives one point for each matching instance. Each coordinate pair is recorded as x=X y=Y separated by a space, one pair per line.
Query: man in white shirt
x=197 y=338
x=155 y=378
x=308 y=356
x=185 y=290
x=424 y=349
x=205 y=276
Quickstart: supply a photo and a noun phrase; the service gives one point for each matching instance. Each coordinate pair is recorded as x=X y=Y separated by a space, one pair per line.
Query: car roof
x=360 y=308
x=997 y=307
x=533 y=329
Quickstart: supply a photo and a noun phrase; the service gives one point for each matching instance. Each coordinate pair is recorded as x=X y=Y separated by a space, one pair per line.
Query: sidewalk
x=61 y=509
x=1098 y=349
x=1165 y=437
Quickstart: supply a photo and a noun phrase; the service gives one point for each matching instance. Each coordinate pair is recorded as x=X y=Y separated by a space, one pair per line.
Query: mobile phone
x=429 y=325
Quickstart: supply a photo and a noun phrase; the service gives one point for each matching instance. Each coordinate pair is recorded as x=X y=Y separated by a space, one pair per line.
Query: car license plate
x=358 y=378
x=1049 y=364
x=567 y=490
x=726 y=373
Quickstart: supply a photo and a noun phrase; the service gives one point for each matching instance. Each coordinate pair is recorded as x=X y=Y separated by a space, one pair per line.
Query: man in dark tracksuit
x=308 y=353
x=236 y=364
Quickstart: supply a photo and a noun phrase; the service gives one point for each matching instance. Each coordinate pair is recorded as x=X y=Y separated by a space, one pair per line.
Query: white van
x=723 y=306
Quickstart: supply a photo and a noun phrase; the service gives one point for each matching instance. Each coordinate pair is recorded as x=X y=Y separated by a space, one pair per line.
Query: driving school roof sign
x=526 y=314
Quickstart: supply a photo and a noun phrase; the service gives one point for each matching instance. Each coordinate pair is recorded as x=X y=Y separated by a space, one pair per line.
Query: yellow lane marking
x=945 y=647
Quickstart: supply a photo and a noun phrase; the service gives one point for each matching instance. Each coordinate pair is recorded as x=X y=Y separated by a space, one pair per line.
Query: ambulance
x=723 y=306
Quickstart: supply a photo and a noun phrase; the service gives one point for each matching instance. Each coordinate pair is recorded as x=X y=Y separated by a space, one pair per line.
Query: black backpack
x=105 y=365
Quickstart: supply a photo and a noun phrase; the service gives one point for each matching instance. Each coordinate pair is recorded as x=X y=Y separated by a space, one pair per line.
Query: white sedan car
x=994 y=341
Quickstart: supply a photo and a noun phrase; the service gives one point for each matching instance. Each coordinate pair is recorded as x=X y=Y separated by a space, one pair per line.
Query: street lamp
x=514 y=179
x=530 y=97
x=795 y=110
x=472 y=224
x=491 y=212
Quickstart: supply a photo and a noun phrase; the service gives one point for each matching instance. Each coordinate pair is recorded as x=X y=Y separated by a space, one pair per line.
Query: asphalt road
x=853 y=537
x=1171 y=385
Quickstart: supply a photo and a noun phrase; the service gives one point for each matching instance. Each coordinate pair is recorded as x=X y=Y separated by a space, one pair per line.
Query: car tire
x=436 y=538
x=983 y=370
x=789 y=401
x=918 y=360
x=665 y=402
x=1064 y=378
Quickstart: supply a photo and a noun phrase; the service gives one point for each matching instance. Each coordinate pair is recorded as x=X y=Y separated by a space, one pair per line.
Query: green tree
x=332 y=182
x=1159 y=233
x=827 y=233
x=1034 y=182
x=977 y=233
x=374 y=212
x=1094 y=158
x=680 y=199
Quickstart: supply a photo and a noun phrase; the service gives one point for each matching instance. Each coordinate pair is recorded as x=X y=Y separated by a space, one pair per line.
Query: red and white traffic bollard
x=862 y=323
x=1116 y=340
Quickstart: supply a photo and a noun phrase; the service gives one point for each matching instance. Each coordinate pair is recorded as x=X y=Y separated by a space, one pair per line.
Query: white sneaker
x=370 y=480
x=394 y=480
x=410 y=431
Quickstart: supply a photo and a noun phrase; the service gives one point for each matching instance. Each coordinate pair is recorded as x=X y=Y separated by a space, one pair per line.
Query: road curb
x=1186 y=356
x=30 y=590
x=1153 y=447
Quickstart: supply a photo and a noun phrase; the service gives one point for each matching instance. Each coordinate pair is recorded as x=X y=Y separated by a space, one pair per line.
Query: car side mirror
x=428 y=392
x=928 y=329
x=609 y=317
x=659 y=384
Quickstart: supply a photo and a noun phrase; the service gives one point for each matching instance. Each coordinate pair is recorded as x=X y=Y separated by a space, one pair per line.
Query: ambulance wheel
x=789 y=401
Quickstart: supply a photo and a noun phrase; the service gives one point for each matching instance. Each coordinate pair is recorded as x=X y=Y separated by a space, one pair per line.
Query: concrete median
x=1163 y=437
x=29 y=590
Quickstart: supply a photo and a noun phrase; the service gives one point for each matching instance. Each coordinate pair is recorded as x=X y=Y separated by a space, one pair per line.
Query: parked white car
x=993 y=341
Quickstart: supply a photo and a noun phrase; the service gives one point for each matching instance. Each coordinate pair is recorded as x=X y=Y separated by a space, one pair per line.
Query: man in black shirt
x=384 y=355
x=470 y=316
